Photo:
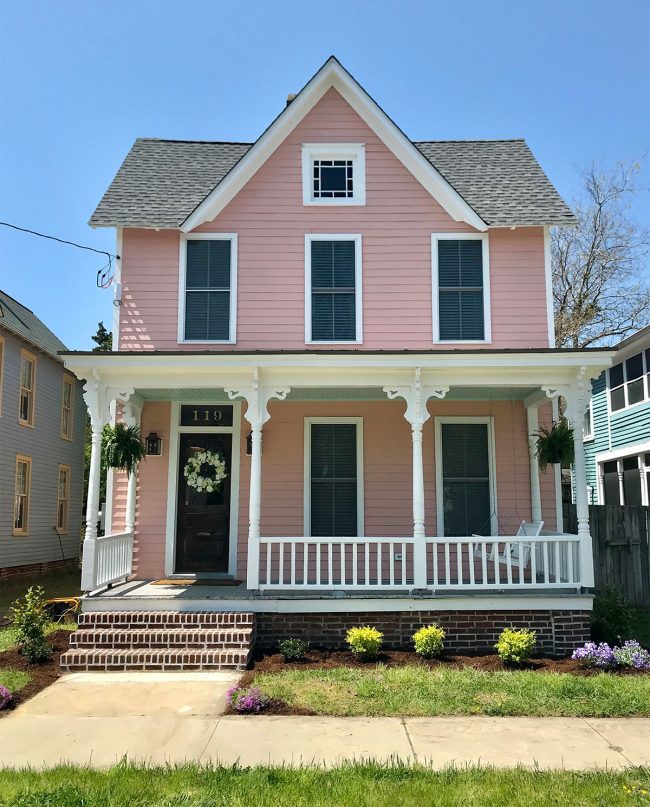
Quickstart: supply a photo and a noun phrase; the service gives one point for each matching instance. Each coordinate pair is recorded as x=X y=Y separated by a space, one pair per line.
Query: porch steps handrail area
x=107 y=559
x=467 y=563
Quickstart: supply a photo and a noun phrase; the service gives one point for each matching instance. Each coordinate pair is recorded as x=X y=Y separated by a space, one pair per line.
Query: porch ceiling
x=216 y=395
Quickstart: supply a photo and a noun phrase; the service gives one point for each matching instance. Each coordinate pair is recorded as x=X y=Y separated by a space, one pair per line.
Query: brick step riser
x=209 y=640
x=102 y=620
x=98 y=660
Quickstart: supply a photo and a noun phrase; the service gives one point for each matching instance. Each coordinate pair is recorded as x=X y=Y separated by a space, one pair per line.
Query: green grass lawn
x=57 y=583
x=351 y=786
x=419 y=691
x=14 y=680
x=8 y=635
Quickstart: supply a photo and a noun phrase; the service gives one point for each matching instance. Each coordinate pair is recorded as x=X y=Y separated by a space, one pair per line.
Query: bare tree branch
x=601 y=278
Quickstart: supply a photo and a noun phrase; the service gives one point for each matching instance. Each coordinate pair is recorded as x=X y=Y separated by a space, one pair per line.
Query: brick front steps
x=160 y=640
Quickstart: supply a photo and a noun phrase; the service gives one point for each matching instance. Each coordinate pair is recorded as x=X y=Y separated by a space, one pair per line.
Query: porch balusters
x=416 y=396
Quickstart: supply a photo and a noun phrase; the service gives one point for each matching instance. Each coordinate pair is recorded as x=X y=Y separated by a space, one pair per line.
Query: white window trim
x=232 y=237
x=358 y=290
x=334 y=151
x=440 y=510
x=487 y=314
x=307 y=471
x=590 y=436
x=645 y=377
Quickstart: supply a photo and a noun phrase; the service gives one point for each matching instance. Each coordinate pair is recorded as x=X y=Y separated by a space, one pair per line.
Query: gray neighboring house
x=42 y=427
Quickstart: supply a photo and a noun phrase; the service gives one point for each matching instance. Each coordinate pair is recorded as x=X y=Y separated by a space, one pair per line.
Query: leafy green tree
x=103 y=339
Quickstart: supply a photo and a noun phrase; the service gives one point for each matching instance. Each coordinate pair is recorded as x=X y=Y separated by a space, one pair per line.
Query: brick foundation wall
x=38 y=568
x=558 y=632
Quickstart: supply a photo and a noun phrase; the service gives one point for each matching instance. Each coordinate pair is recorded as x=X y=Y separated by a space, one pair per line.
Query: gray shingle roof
x=160 y=182
x=25 y=324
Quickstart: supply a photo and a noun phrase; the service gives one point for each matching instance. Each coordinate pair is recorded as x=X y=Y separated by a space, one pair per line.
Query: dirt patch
x=42 y=674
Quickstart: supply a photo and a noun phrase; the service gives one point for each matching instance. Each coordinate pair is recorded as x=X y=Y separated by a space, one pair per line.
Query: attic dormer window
x=333 y=174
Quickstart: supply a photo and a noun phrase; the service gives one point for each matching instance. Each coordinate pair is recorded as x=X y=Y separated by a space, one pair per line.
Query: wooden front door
x=203 y=519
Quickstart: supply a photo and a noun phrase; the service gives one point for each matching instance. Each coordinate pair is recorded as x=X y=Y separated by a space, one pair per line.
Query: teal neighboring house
x=617 y=427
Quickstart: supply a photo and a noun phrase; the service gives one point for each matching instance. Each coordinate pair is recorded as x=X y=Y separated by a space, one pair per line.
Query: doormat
x=193 y=582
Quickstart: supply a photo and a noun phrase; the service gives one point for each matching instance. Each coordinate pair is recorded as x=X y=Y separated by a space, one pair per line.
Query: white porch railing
x=388 y=564
x=106 y=559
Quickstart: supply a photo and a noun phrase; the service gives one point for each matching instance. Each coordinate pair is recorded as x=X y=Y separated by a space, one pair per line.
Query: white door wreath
x=205 y=471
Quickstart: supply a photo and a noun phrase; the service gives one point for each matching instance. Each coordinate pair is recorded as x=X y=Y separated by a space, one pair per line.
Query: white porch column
x=532 y=420
x=132 y=417
x=416 y=396
x=257 y=397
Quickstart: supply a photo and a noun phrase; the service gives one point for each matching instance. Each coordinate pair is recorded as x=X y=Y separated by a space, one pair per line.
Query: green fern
x=122 y=447
x=554 y=445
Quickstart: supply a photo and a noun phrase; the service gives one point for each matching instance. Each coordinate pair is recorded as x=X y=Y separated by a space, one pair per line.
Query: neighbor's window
x=27 y=380
x=629 y=381
x=334 y=303
x=459 y=284
x=333 y=174
x=21 y=494
x=62 y=498
x=209 y=290
x=588 y=426
x=66 y=407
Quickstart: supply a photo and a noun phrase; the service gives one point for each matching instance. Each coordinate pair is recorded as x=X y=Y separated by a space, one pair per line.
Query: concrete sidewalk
x=159 y=718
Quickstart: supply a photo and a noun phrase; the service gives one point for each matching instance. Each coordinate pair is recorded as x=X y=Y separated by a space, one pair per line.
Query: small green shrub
x=293 y=649
x=365 y=642
x=429 y=641
x=611 y=619
x=516 y=646
x=30 y=621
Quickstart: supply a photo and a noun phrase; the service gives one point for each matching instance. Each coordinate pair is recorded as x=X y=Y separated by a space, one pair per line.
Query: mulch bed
x=42 y=674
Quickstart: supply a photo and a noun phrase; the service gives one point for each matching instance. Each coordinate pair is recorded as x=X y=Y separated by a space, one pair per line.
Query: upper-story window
x=208 y=299
x=27 y=384
x=67 y=401
x=333 y=174
x=461 y=288
x=333 y=288
x=629 y=381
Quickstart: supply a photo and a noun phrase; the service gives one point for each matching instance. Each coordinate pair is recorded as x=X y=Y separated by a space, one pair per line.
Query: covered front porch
x=428 y=525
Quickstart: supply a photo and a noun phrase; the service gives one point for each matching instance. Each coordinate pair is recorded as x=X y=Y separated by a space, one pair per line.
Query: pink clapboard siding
x=387 y=472
x=271 y=223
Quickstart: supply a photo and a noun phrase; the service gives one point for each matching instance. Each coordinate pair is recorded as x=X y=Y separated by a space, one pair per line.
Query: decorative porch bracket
x=257 y=396
x=576 y=394
x=416 y=396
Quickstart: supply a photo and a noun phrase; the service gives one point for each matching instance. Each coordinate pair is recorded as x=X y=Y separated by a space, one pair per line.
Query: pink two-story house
x=357 y=329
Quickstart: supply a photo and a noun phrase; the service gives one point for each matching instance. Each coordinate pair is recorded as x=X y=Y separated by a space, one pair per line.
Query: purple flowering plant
x=5 y=697
x=606 y=657
x=247 y=700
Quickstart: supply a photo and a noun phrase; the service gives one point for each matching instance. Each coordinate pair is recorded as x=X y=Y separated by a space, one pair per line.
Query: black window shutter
x=460 y=290
x=207 y=295
x=333 y=294
x=466 y=479
x=333 y=479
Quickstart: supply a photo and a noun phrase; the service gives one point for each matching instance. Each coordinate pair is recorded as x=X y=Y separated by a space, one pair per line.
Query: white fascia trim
x=620 y=453
x=182 y=268
x=548 y=279
x=358 y=422
x=487 y=308
x=117 y=288
x=332 y=74
x=338 y=151
x=488 y=420
x=358 y=286
x=326 y=605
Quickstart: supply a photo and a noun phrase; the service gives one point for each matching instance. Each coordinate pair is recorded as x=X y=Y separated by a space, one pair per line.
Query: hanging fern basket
x=122 y=447
x=555 y=445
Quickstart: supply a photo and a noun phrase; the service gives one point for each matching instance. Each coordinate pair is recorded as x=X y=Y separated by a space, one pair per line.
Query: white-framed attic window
x=333 y=174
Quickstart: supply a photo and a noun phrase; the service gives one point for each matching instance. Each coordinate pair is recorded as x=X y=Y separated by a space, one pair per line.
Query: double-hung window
x=63 y=498
x=67 y=400
x=27 y=384
x=629 y=381
x=461 y=293
x=208 y=288
x=333 y=288
x=22 y=488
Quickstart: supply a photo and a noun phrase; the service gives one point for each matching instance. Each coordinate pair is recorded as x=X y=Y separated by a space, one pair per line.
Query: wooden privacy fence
x=621 y=554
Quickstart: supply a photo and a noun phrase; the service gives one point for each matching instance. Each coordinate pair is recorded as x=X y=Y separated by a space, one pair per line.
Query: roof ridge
x=13 y=299
x=471 y=140
x=210 y=142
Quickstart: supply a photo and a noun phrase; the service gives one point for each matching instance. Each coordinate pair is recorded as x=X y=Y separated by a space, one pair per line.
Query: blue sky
x=80 y=80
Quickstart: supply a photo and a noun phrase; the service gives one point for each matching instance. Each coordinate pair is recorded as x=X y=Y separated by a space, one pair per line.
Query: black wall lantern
x=154 y=445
